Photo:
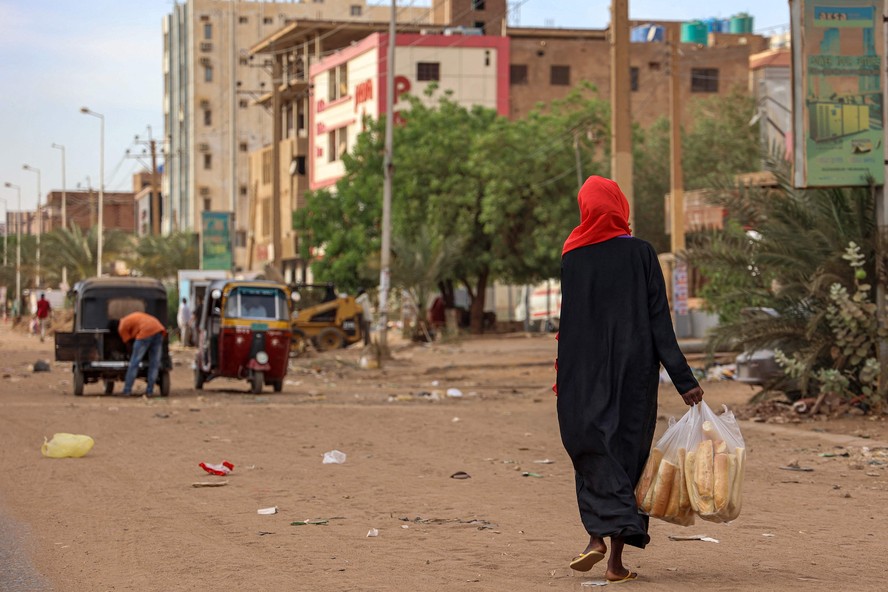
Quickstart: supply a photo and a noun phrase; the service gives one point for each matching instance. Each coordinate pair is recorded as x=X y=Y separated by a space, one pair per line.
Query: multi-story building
x=210 y=80
x=82 y=207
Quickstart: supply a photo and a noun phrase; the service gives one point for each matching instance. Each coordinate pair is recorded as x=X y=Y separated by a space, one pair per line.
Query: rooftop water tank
x=694 y=32
x=639 y=34
x=713 y=25
x=741 y=23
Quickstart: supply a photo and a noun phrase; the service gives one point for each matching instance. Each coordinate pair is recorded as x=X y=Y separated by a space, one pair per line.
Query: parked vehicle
x=244 y=333
x=758 y=366
x=544 y=302
x=325 y=319
x=99 y=354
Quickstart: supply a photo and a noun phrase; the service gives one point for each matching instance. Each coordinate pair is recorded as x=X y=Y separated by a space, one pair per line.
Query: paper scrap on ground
x=593 y=583
x=318 y=522
x=692 y=537
x=372 y=532
x=334 y=457
x=454 y=392
x=545 y=461
x=267 y=511
x=209 y=484
x=221 y=469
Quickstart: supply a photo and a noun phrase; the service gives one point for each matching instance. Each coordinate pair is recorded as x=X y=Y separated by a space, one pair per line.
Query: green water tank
x=694 y=32
x=741 y=23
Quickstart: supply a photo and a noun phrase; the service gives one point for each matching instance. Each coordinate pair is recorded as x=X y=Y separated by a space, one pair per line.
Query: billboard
x=216 y=240
x=838 y=110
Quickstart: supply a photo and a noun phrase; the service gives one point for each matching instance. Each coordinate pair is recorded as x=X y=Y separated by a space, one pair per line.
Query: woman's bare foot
x=595 y=552
x=596 y=544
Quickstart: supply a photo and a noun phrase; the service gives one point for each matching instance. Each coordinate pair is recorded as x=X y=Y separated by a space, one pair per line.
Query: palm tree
x=76 y=251
x=162 y=256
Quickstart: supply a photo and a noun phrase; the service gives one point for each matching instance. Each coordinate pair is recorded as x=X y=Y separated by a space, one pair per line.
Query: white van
x=544 y=301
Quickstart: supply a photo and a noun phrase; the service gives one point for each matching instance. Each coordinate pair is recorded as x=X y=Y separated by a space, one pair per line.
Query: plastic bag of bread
x=696 y=467
x=662 y=489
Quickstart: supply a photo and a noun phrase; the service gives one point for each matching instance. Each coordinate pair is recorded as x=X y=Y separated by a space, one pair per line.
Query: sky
x=57 y=56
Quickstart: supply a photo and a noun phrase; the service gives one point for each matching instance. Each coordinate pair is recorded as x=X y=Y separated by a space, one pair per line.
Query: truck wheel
x=165 y=384
x=330 y=338
x=298 y=344
x=257 y=381
x=109 y=387
x=199 y=379
x=78 y=382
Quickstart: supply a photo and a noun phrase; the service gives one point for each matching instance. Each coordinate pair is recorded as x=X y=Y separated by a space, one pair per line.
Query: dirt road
x=126 y=516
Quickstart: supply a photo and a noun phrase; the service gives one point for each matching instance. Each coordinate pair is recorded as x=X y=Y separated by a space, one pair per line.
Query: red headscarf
x=604 y=214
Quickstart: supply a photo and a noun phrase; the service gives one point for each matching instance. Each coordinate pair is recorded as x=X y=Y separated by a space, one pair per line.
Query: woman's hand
x=693 y=396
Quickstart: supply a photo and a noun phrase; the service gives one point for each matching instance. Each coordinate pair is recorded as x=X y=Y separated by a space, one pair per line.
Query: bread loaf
x=690 y=469
x=703 y=477
x=684 y=501
x=672 y=510
x=723 y=476
x=647 y=476
x=709 y=431
x=662 y=488
x=734 y=503
x=720 y=446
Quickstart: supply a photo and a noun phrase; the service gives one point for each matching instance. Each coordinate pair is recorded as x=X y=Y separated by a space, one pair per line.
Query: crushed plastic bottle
x=66 y=446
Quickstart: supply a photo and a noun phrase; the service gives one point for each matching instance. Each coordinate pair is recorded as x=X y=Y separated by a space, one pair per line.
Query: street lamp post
x=5 y=233
x=101 y=187
x=18 y=251
x=28 y=167
x=64 y=207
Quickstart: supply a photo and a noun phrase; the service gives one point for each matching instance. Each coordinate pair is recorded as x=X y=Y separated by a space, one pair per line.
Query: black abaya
x=615 y=330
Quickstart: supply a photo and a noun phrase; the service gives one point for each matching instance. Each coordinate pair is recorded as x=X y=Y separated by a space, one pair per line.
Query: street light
x=64 y=208
x=101 y=187
x=5 y=230
x=28 y=167
x=18 y=251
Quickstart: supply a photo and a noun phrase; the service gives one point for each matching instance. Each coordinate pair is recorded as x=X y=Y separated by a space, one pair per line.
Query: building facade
x=82 y=207
x=210 y=82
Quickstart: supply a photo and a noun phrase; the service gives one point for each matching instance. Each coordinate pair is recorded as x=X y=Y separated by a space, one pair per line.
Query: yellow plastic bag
x=66 y=445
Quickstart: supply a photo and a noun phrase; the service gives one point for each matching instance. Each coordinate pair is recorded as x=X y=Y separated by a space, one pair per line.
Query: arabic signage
x=837 y=92
x=216 y=244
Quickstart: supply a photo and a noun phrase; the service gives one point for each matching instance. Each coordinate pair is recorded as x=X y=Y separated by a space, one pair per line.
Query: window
x=355 y=10
x=208 y=161
x=208 y=73
x=243 y=20
x=267 y=20
x=560 y=76
x=208 y=31
x=208 y=117
x=300 y=165
x=704 y=80
x=477 y=4
x=208 y=204
x=243 y=190
x=243 y=61
x=337 y=83
x=633 y=78
x=243 y=146
x=426 y=71
x=337 y=144
x=243 y=103
x=240 y=238
x=518 y=74
x=481 y=25
x=654 y=66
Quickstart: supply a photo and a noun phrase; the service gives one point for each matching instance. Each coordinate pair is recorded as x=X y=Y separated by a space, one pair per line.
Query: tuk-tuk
x=244 y=333
x=99 y=354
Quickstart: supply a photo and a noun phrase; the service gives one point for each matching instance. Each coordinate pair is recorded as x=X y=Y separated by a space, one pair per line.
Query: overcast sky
x=60 y=55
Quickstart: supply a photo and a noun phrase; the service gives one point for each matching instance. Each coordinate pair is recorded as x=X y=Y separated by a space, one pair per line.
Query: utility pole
x=277 y=78
x=154 y=201
x=388 y=166
x=677 y=226
x=621 y=117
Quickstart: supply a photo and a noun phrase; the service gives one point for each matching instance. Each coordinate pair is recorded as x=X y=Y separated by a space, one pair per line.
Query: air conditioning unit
x=204 y=190
x=206 y=46
x=204 y=104
x=203 y=147
x=204 y=61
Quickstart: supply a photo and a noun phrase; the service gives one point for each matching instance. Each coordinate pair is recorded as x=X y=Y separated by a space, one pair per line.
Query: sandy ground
x=126 y=516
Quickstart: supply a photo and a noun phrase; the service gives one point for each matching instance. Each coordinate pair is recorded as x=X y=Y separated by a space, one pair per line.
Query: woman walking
x=615 y=332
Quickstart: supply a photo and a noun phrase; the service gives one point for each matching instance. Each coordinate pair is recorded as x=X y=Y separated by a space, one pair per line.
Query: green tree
x=162 y=256
x=76 y=251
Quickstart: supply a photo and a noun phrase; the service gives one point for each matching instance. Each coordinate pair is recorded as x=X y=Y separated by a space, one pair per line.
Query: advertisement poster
x=837 y=92
x=216 y=244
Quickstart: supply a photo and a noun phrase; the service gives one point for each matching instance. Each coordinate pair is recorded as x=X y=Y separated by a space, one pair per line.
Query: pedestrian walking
x=44 y=309
x=183 y=319
x=615 y=332
x=146 y=333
